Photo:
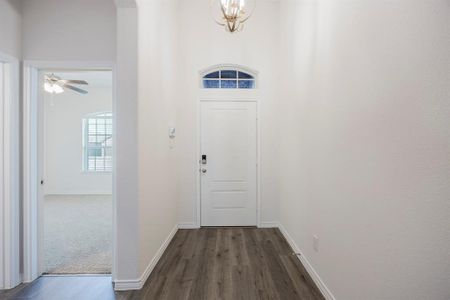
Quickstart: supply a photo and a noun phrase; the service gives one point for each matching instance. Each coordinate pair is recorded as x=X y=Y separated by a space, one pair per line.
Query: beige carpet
x=77 y=234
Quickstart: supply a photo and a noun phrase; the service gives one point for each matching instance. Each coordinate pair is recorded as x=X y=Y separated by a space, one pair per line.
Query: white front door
x=228 y=167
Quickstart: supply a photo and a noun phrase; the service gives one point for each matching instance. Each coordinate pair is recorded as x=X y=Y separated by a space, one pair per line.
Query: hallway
x=208 y=263
x=244 y=149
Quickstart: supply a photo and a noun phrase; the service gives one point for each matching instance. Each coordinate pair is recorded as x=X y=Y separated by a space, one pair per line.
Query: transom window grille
x=97 y=142
x=228 y=79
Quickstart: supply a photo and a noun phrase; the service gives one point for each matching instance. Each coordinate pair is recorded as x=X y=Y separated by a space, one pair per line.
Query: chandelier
x=232 y=14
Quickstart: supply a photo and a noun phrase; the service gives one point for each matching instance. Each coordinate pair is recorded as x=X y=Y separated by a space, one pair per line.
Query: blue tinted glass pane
x=246 y=84
x=245 y=75
x=228 y=84
x=228 y=74
x=211 y=84
x=212 y=75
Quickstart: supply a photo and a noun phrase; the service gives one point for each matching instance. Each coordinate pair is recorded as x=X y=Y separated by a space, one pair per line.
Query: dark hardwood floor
x=63 y=288
x=208 y=263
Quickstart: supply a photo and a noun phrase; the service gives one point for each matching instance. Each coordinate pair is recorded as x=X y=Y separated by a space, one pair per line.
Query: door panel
x=228 y=183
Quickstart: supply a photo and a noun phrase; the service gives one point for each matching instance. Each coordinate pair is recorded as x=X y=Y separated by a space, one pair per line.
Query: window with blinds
x=97 y=142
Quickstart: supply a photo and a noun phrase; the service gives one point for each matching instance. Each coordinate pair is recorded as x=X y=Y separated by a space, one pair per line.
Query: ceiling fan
x=55 y=85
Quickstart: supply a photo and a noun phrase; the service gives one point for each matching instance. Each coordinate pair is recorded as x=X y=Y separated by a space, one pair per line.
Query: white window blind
x=97 y=142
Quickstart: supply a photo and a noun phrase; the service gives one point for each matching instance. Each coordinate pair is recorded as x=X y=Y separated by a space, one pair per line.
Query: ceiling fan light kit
x=232 y=14
x=55 y=85
x=53 y=88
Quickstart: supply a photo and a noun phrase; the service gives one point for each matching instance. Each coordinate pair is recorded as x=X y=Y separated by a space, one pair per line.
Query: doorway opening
x=75 y=166
x=228 y=147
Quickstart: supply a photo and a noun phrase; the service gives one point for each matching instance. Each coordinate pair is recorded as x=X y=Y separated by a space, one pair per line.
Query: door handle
x=204 y=170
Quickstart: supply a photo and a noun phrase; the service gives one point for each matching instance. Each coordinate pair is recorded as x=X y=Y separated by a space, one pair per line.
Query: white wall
x=83 y=30
x=365 y=144
x=63 y=142
x=60 y=30
x=126 y=175
x=204 y=44
x=158 y=191
x=10 y=28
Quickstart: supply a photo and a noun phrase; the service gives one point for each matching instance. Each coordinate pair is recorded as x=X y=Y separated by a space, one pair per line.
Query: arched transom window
x=228 y=79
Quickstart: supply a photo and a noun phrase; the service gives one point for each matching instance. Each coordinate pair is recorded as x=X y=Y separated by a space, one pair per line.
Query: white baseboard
x=193 y=225
x=137 y=284
x=315 y=277
x=78 y=194
x=188 y=225
x=269 y=225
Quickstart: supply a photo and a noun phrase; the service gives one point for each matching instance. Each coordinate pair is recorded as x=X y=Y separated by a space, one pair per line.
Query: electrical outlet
x=316 y=243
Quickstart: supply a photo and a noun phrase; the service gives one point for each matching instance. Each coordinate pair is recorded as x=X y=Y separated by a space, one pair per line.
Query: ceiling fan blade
x=74 y=88
x=64 y=81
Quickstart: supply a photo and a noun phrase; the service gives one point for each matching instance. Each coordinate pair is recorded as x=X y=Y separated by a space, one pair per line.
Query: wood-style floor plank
x=62 y=288
x=203 y=264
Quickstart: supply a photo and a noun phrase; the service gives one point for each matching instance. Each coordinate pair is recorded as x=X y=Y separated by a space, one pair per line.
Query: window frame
x=85 y=141
x=228 y=67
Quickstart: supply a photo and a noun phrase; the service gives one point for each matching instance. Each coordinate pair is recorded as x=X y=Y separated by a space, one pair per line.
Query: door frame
x=232 y=95
x=32 y=230
x=10 y=173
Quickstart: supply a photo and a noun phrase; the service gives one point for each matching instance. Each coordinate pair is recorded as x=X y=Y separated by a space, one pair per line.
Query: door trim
x=208 y=95
x=31 y=210
x=9 y=179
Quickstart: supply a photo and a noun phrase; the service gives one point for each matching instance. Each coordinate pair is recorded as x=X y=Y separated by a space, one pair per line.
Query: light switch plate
x=172 y=132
